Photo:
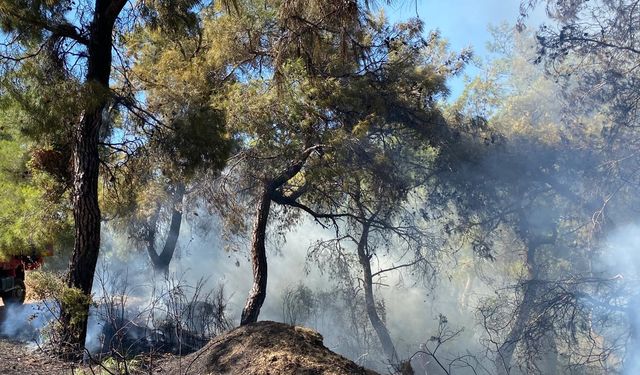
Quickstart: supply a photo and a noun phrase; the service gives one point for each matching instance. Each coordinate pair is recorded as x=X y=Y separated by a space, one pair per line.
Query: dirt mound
x=266 y=348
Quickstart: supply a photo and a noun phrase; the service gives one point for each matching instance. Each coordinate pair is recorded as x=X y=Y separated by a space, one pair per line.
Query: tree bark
x=370 y=303
x=258 y=259
x=548 y=361
x=506 y=350
x=533 y=239
x=86 y=164
x=268 y=193
x=504 y=356
x=161 y=261
x=151 y=230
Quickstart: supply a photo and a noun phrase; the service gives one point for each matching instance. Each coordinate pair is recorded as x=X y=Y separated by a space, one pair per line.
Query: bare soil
x=265 y=348
x=17 y=358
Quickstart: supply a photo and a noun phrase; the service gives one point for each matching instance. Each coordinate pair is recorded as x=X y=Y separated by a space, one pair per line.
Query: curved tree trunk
x=504 y=356
x=161 y=261
x=378 y=325
x=258 y=260
x=506 y=350
x=151 y=228
x=268 y=193
x=534 y=239
x=74 y=313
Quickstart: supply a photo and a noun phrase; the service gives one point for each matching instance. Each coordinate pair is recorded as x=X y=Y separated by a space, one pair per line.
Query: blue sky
x=464 y=23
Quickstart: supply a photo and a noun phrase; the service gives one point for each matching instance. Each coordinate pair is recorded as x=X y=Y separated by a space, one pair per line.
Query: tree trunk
x=631 y=363
x=548 y=361
x=161 y=261
x=534 y=237
x=506 y=350
x=370 y=303
x=504 y=356
x=74 y=312
x=86 y=214
x=258 y=260
x=258 y=291
x=151 y=230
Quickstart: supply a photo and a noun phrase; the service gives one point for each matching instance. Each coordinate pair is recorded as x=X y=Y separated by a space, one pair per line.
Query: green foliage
x=298 y=304
x=52 y=289
x=174 y=17
x=198 y=141
x=33 y=206
x=19 y=17
x=35 y=172
x=50 y=286
x=117 y=367
x=75 y=303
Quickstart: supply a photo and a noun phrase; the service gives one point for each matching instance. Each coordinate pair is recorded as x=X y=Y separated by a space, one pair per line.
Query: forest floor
x=258 y=349
x=21 y=355
x=18 y=357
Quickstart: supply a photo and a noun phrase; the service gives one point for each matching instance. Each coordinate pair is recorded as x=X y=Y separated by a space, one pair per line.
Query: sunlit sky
x=464 y=23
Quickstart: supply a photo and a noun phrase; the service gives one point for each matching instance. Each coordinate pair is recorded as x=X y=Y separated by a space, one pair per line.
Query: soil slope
x=265 y=348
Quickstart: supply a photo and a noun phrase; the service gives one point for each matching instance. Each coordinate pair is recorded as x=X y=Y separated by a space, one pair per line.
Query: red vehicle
x=12 y=288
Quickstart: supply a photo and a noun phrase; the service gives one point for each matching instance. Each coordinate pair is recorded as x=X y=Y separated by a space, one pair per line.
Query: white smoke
x=621 y=262
x=26 y=322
